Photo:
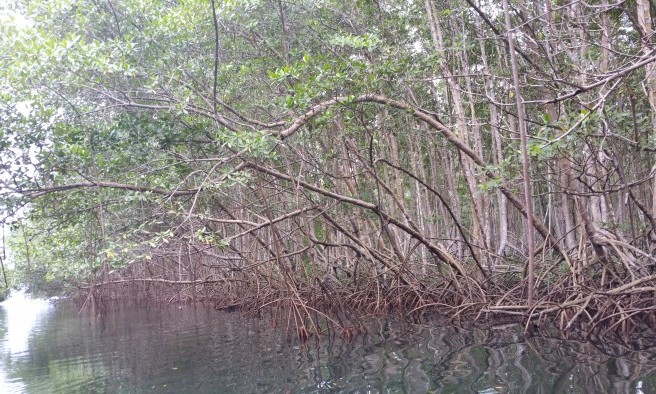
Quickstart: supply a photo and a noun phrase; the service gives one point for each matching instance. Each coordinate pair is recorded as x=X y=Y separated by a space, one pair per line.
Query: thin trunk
x=497 y=147
x=466 y=162
x=521 y=118
x=645 y=22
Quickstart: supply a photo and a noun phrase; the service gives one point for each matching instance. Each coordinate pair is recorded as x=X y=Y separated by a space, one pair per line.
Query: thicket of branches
x=336 y=158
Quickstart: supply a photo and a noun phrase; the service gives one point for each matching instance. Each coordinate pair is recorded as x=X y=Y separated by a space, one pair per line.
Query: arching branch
x=436 y=249
x=35 y=193
x=428 y=118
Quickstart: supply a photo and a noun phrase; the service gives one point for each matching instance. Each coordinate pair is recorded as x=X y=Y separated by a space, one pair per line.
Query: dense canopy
x=334 y=158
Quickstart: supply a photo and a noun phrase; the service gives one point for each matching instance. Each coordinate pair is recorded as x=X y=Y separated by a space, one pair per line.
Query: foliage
x=268 y=141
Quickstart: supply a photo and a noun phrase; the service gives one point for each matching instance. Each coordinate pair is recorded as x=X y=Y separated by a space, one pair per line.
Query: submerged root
x=616 y=306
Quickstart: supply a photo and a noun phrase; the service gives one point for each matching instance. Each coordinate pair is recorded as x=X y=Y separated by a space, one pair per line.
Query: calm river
x=46 y=349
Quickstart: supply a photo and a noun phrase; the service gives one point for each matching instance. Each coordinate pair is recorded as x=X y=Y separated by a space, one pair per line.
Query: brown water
x=45 y=349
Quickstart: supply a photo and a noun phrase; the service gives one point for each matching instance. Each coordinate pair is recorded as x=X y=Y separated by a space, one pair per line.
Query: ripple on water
x=200 y=350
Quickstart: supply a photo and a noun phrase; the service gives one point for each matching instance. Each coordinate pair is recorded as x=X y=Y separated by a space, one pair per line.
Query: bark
x=455 y=90
x=643 y=11
x=528 y=197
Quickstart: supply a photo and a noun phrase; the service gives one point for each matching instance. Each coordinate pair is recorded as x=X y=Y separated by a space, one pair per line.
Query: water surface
x=46 y=349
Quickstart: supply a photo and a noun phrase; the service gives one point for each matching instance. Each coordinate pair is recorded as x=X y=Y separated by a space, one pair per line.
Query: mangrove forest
x=323 y=161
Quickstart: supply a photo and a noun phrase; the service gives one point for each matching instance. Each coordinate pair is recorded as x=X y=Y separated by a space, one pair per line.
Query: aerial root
x=591 y=309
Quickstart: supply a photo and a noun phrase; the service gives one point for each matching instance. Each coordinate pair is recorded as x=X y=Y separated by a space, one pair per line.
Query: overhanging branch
x=35 y=193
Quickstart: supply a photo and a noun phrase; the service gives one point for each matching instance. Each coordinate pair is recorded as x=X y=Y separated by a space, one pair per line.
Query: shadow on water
x=200 y=350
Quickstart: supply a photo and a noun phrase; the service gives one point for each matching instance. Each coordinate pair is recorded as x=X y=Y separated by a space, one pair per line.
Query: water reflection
x=200 y=350
x=20 y=317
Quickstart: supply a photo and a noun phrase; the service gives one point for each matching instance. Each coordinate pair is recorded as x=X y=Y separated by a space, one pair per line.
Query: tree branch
x=35 y=193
